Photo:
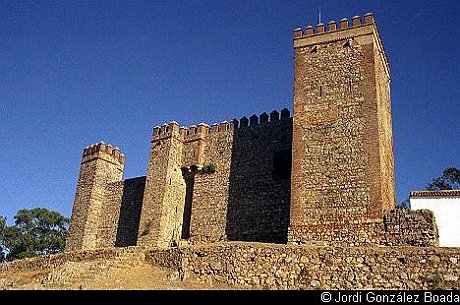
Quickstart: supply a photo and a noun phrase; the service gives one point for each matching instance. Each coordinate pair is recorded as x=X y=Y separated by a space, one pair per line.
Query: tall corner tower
x=342 y=166
x=101 y=166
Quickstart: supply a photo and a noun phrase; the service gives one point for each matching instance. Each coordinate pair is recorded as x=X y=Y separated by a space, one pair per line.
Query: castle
x=324 y=176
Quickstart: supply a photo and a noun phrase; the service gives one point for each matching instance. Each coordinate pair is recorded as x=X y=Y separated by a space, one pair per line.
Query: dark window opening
x=282 y=165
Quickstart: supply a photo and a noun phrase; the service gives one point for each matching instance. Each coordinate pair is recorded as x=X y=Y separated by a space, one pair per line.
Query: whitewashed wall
x=447 y=214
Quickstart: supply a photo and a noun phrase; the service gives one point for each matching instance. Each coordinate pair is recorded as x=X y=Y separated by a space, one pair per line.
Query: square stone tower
x=343 y=171
x=165 y=190
x=95 y=214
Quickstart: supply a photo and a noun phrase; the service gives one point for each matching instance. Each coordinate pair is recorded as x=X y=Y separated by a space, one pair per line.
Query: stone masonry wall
x=405 y=227
x=265 y=266
x=210 y=191
x=339 y=141
x=246 y=198
x=174 y=199
x=110 y=214
x=341 y=235
x=382 y=76
x=398 y=227
x=80 y=207
x=259 y=182
x=118 y=220
x=130 y=212
x=154 y=188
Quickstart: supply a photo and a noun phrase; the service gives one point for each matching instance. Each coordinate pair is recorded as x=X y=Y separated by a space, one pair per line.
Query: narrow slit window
x=350 y=85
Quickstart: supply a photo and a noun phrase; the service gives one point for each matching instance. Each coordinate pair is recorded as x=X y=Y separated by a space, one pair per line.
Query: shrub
x=209 y=169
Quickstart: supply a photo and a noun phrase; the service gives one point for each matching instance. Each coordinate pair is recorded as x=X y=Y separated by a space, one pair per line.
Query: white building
x=446 y=209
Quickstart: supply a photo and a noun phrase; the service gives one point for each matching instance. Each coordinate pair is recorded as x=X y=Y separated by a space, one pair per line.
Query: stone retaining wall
x=279 y=267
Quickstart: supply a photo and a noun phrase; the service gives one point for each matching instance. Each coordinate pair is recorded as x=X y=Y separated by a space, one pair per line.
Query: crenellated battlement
x=363 y=29
x=104 y=150
x=194 y=132
x=262 y=119
x=332 y=26
x=166 y=130
x=200 y=131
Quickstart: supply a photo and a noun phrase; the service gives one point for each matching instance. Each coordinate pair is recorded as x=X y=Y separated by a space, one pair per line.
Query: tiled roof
x=444 y=193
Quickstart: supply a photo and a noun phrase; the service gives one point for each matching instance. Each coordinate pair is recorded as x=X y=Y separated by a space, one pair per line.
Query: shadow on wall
x=130 y=212
x=189 y=178
x=260 y=179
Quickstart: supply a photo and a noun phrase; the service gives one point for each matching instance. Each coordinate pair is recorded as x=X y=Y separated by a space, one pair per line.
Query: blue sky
x=77 y=72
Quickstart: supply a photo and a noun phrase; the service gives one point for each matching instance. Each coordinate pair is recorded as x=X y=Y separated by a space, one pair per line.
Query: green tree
x=35 y=232
x=2 y=228
x=450 y=180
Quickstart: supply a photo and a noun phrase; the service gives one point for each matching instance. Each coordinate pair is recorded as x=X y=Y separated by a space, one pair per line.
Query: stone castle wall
x=109 y=218
x=130 y=212
x=246 y=198
x=260 y=176
x=119 y=222
x=211 y=190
